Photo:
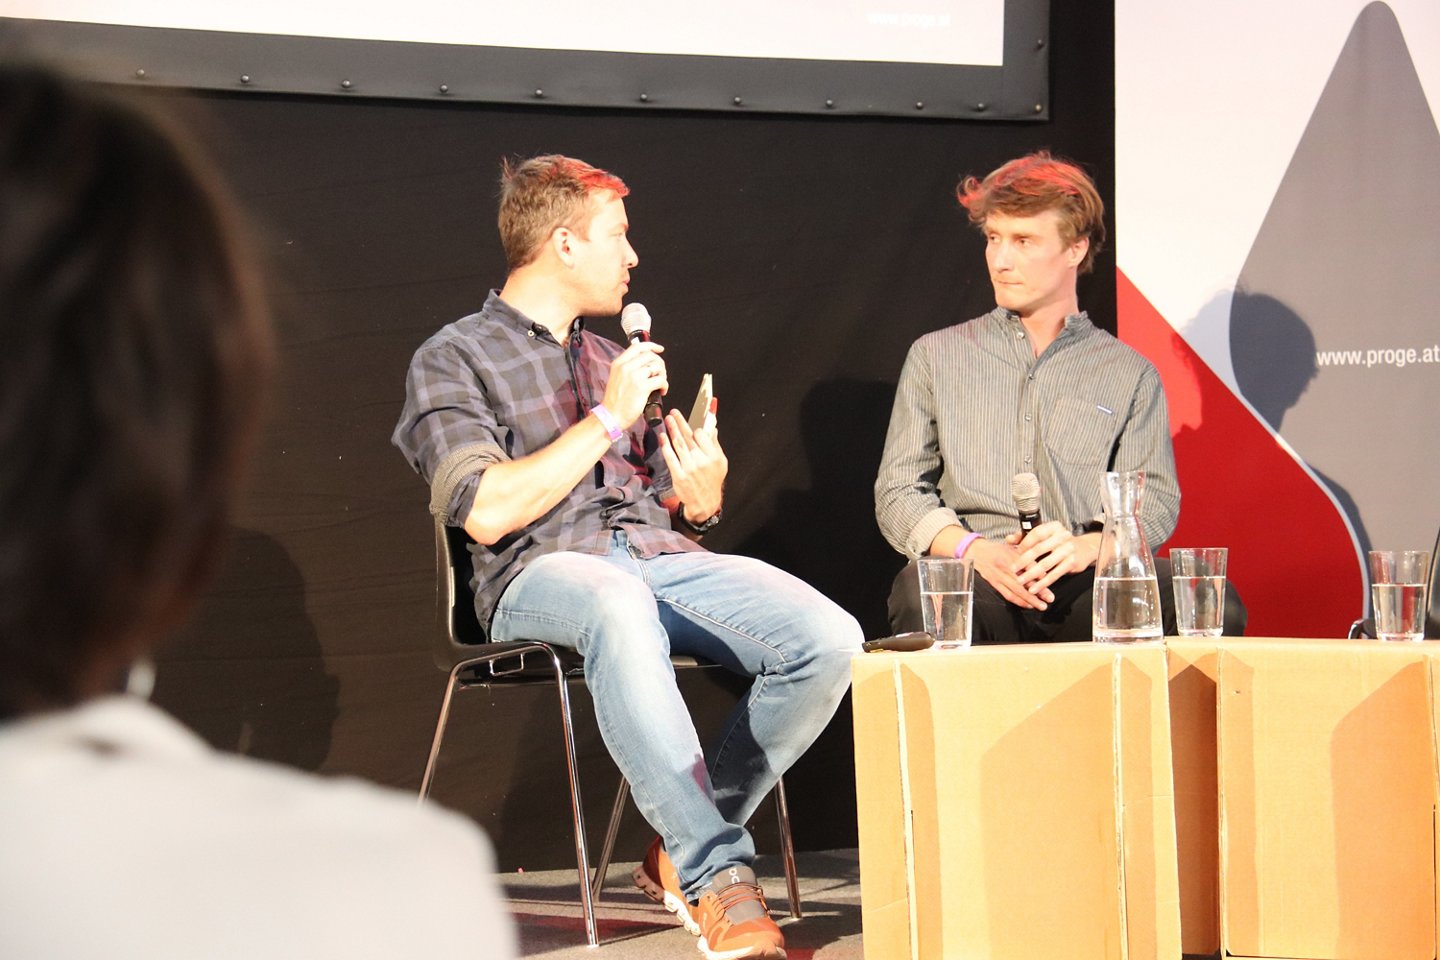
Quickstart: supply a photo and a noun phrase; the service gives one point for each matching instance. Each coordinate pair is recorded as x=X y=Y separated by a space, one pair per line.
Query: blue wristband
x=607 y=420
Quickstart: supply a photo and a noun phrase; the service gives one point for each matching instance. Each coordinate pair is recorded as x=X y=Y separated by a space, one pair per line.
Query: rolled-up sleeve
x=908 y=507
x=448 y=430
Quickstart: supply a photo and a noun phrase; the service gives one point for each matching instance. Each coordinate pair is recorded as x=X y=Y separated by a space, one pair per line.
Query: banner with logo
x=1278 y=223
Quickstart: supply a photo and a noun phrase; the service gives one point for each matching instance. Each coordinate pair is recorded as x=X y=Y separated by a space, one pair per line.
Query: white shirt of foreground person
x=123 y=835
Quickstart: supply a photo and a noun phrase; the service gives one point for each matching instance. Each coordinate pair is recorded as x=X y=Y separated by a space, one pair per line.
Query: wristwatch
x=698 y=528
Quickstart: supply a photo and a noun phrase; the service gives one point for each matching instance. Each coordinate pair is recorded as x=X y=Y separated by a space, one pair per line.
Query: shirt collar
x=1075 y=322
x=497 y=309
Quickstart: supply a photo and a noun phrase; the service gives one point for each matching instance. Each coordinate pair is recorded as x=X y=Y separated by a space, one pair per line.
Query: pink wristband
x=607 y=420
x=964 y=544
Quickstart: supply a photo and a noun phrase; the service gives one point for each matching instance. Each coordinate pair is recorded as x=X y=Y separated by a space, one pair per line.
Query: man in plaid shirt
x=586 y=524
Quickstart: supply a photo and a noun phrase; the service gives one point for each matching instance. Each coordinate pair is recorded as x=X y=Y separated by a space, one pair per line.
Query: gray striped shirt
x=975 y=406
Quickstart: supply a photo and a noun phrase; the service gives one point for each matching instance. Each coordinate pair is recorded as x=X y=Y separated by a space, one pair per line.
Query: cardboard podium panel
x=1193 y=668
x=1015 y=802
x=1327 y=797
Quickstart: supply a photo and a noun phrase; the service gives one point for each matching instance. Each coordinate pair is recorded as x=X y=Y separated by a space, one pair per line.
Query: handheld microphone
x=916 y=640
x=1025 y=491
x=635 y=321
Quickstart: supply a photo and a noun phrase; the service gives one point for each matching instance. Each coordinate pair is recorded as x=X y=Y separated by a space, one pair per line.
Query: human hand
x=996 y=561
x=697 y=463
x=1049 y=552
x=634 y=375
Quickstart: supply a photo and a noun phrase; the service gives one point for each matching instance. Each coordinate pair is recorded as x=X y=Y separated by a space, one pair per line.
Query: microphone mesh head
x=1025 y=489
x=634 y=318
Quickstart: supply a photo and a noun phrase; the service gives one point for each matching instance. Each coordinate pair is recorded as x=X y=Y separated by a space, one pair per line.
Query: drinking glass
x=1198 y=577
x=945 y=600
x=1397 y=593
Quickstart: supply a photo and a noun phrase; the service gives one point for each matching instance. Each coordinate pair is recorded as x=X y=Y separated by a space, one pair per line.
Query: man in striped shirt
x=1031 y=387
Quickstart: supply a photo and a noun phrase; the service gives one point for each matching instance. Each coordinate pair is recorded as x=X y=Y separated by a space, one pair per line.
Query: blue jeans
x=626 y=614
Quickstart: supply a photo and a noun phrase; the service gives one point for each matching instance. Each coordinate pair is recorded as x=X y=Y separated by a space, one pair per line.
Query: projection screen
x=981 y=59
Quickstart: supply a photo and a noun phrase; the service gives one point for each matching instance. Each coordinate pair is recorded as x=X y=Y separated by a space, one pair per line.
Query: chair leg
x=787 y=849
x=787 y=844
x=572 y=766
x=582 y=856
x=622 y=793
x=782 y=817
x=429 y=775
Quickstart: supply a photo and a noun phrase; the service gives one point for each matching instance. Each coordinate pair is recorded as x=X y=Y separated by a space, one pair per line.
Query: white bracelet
x=607 y=420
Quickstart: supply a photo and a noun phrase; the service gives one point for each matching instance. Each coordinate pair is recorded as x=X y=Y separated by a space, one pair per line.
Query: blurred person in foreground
x=135 y=350
x=1034 y=387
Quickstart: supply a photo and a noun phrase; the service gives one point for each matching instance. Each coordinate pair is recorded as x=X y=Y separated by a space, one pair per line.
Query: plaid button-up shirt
x=496 y=386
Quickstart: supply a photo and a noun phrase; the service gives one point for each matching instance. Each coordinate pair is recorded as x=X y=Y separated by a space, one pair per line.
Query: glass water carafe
x=1127 y=595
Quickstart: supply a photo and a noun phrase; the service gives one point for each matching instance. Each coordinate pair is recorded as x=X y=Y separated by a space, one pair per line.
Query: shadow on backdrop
x=1242 y=489
x=1345 y=245
x=827 y=535
x=247 y=672
x=1274 y=361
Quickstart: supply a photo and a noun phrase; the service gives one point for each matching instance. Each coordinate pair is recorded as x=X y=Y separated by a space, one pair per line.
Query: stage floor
x=546 y=907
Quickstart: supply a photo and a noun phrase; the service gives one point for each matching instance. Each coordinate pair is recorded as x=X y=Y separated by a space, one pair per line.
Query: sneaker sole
x=743 y=953
x=666 y=899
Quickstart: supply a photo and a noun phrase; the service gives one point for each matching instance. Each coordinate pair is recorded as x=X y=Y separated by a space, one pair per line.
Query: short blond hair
x=543 y=193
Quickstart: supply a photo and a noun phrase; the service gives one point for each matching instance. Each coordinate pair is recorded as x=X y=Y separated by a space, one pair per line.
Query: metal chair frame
x=485 y=663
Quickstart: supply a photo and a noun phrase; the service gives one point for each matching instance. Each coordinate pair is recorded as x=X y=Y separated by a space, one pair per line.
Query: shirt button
x=1027 y=418
x=1019 y=334
x=1027 y=459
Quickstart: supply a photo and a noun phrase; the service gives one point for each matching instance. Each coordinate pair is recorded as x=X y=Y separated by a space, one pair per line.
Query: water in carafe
x=1127 y=595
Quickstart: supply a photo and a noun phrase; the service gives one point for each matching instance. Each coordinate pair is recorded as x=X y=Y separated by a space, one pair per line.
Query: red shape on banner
x=1291 y=555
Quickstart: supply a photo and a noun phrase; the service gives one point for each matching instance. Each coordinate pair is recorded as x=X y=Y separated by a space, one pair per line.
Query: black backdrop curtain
x=794 y=258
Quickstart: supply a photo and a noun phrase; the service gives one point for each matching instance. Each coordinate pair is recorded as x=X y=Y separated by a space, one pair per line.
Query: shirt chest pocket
x=1081 y=431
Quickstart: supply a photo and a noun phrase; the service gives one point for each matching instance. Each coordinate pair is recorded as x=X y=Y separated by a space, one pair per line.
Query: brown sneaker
x=657 y=879
x=734 y=921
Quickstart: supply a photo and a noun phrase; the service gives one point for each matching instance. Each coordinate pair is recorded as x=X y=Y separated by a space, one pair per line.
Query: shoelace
x=736 y=893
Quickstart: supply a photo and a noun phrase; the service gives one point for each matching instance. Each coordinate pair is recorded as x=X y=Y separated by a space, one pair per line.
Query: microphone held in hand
x=1025 y=491
x=635 y=321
